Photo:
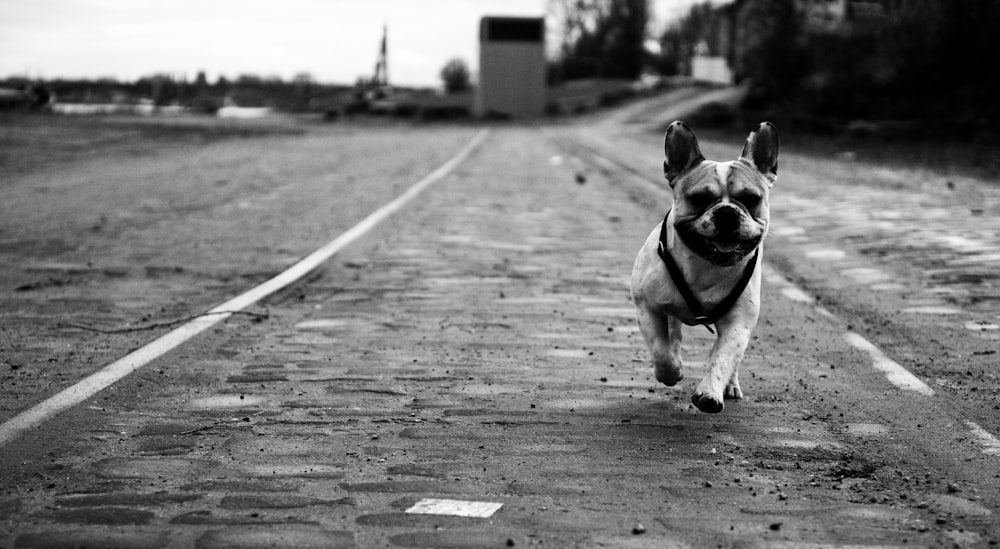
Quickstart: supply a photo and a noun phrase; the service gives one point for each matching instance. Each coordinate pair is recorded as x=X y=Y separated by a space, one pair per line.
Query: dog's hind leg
x=733 y=391
x=663 y=335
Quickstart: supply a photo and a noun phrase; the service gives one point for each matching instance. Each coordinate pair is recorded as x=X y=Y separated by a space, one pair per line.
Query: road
x=479 y=345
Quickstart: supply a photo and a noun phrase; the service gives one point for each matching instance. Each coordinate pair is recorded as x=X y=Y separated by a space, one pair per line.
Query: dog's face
x=721 y=208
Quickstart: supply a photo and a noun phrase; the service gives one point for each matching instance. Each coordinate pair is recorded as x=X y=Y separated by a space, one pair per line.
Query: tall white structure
x=511 y=67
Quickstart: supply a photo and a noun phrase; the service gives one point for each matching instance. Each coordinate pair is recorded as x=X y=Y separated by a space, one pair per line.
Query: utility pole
x=382 y=65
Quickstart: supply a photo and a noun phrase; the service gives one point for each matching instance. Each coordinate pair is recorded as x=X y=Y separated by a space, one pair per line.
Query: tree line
x=930 y=62
x=301 y=93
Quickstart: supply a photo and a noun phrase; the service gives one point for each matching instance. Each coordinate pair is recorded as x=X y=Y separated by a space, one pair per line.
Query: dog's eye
x=703 y=200
x=751 y=201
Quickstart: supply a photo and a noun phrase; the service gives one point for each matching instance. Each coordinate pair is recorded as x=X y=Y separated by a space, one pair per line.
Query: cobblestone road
x=481 y=347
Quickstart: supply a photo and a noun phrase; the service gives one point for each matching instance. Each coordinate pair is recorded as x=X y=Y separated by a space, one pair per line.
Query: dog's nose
x=727 y=219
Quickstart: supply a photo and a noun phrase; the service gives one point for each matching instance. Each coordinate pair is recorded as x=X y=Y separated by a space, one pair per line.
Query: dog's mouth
x=725 y=245
x=723 y=250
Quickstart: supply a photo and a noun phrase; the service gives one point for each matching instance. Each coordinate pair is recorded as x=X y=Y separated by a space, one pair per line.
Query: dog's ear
x=761 y=150
x=680 y=147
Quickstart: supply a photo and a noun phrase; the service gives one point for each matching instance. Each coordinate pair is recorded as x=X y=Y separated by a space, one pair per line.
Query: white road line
x=454 y=507
x=896 y=374
x=90 y=385
x=991 y=445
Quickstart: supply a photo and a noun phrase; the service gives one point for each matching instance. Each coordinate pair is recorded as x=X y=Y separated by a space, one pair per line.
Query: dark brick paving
x=480 y=346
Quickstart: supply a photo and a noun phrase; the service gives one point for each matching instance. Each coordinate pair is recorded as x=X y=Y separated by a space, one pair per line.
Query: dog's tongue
x=726 y=246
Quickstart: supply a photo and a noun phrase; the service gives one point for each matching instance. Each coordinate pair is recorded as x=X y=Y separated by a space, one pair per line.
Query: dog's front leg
x=663 y=335
x=723 y=363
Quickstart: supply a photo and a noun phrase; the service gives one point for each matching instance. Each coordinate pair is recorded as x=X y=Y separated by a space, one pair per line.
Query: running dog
x=701 y=265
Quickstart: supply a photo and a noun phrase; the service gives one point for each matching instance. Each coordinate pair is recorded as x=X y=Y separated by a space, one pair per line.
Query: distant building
x=511 y=67
x=710 y=68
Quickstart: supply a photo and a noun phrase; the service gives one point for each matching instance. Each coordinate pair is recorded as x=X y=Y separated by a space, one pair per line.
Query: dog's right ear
x=680 y=147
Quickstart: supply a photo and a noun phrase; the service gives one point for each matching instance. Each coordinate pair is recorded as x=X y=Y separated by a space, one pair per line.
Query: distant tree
x=599 y=38
x=678 y=41
x=773 y=53
x=455 y=75
x=624 y=29
x=303 y=79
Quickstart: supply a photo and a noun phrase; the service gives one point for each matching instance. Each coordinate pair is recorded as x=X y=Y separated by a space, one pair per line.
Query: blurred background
x=879 y=67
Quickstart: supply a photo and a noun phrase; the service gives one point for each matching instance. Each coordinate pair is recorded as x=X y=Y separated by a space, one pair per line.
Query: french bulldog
x=702 y=264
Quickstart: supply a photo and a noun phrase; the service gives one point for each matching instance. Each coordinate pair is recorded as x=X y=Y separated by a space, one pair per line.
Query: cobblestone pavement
x=480 y=346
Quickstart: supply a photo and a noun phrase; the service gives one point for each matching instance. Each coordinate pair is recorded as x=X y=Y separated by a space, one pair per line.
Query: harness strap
x=720 y=310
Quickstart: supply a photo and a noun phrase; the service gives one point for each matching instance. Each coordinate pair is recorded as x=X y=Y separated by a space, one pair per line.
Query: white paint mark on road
x=888 y=287
x=323 y=324
x=569 y=353
x=896 y=374
x=867 y=429
x=454 y=507
x=963 y=244
x=826 y=312
x=826 y=254
x=789 y=290
x=787 y=231
x=933 y=310
x=981 y=326
x=795 y=294
x=103 y=378
x=225 y=402
x=991 y=445
x=866 y=275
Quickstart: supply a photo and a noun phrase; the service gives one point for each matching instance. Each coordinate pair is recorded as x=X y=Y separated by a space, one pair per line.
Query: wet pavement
x=481 y=347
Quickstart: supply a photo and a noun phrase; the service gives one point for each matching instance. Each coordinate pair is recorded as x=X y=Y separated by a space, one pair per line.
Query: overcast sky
x=335 y=41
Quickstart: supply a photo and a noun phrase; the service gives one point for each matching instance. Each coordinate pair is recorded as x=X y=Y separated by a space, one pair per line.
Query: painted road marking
x=830 y=254
x=991 y=445
x=454 y=507
x=795 y=294
x=982 y=326
x=933 y=310
x=103 y=378
x=896 y=374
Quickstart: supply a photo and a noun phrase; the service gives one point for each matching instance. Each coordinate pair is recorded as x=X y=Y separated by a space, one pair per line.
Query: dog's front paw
x=668 y=374
x=707 y=403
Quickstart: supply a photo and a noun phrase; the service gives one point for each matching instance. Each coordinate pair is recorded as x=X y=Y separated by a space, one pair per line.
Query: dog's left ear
x=761 y=150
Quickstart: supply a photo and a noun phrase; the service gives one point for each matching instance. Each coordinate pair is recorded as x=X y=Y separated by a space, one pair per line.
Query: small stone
x=952 y=488
x=638 y=529
x=708 y=484
x=775 y=526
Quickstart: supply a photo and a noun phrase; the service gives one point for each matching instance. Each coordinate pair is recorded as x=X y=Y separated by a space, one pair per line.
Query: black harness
x=700 y=316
